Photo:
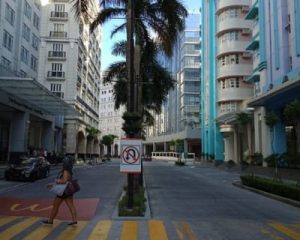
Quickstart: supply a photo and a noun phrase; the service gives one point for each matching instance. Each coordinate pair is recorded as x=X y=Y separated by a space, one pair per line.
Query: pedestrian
x=64 y=177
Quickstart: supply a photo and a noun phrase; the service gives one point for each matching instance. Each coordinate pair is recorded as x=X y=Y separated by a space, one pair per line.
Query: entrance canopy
x=30 y=94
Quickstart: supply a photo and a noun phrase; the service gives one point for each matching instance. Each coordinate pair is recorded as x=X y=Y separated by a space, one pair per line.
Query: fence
x=173 y=156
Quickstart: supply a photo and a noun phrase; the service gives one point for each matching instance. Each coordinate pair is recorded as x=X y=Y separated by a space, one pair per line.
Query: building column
x=165 y=147
x=18 y=139
x=185 y=146
x=154 y=147
x=48 y=136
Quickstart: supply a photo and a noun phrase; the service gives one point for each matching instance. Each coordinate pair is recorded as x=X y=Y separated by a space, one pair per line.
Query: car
x=29 y=169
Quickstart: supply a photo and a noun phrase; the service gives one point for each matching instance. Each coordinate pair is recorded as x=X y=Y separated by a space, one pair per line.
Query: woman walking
x=65 y=176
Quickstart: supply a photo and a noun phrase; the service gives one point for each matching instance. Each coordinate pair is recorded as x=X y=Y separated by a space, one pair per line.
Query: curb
x=266 y=194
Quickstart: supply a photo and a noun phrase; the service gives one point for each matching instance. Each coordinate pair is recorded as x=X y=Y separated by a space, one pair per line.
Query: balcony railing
x=57 y=55
x=58 y=34
x=59 y=15
x=56 y=74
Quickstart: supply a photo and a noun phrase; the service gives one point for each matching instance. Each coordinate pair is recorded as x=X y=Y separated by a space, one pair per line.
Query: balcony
x=57 y=55
x=232 y=46
x=55 y=75
x=233 y=24
x=56 y=34
x=61 y=16
x=235 y=70
x=234 y=94
x=224 y=4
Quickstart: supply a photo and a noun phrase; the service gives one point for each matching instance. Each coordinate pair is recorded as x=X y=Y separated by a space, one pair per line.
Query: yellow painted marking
x=184 y=231
x=5 y=220
x=130 y=230
x=72 y=231
x=17 y=228
x=33 y=208
x=157 y=230
x=42 y=231
x=270 y=234
x=101 y=230
x=285 y=230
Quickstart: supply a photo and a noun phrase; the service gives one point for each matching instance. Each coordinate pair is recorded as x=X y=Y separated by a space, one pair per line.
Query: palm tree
x=108 y=140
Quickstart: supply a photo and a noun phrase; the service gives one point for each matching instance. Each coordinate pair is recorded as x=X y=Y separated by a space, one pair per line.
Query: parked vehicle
x=29 y=169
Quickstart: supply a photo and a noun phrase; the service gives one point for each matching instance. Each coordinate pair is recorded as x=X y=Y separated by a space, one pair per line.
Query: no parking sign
x=131 y=152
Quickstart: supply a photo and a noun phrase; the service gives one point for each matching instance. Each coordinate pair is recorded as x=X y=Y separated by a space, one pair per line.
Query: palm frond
x=121 y=28
x=119 y=48
x=82 y=9
x=115 y=71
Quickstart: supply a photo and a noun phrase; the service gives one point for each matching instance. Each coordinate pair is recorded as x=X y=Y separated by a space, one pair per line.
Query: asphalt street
x=190 y=202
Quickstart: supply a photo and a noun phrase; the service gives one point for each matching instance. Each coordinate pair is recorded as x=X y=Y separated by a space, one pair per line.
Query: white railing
x=172 y=156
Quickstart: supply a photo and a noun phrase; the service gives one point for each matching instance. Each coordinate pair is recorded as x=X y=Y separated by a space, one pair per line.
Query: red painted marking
x=86 y=208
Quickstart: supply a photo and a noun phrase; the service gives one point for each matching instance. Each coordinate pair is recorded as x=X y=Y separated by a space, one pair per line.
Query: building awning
x=253 y=45
x=278 y=96
x=253 y=12
x=30 y=94
x=253 y=78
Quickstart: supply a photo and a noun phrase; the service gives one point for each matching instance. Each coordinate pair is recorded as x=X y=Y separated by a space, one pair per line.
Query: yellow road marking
x=157 y=230
x=5 y=220
x=101 y=230
x=130 y=230
x=72 y=231
x=184 y=231
x=42 y=231
x=17 y=228
x=285 y=230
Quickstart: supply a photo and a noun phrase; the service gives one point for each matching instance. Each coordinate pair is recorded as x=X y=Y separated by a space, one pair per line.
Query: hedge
x=287 y=190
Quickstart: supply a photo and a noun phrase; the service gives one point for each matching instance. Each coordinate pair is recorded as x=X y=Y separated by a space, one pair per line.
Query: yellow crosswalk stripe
x=5 y=220
x=129 y=230
x=285 y=230
x=17 y=228
x=72 y=231
x=42 y=231
x=157 y=230
x=184 y=231
x=101 y=230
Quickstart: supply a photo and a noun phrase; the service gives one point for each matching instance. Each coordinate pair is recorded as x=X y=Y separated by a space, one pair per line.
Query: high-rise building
x=70 y=68
x=180 y=118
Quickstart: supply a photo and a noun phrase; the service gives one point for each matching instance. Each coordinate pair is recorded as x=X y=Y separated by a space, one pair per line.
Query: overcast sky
x=107 y=42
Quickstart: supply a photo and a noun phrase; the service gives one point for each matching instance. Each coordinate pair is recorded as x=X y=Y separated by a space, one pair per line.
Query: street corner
x=86 y=208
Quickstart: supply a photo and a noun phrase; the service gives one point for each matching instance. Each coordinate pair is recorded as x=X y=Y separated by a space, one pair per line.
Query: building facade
x=70 y=68
x=180 y=118
x=111 y=120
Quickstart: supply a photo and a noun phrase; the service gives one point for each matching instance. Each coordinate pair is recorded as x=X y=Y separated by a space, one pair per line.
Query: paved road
x=186 y=203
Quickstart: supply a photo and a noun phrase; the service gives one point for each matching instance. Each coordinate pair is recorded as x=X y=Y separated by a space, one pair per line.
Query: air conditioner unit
x=245 y=9
x=247 y=55
x=246 y=31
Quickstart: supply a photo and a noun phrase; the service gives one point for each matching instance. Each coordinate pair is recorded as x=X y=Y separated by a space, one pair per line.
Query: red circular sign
x=130 y=155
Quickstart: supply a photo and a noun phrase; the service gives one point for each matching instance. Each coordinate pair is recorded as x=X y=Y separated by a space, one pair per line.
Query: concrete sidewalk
x=286 y=174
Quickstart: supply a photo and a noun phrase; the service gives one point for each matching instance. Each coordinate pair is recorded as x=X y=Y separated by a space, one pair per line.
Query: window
x=57 y=67
x=26 y=32
x=223 y=84
x=237 y=59
x=237 y=83
x=10 y=15
x=35 y=41
x=27 y=10
x=58 y=47
x=7 y=40
x=36 y=21
x=58 y=27
x=56 y=89
x=5 y=62
x=24 y=55
x=59 y=7
x=33 y=63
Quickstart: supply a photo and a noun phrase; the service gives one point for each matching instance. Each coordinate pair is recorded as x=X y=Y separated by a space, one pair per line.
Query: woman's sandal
x=46 y=221
x=72 y=223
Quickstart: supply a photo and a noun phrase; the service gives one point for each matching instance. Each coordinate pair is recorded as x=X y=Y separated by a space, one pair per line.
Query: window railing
x=55 y=74
x=58 y=34
x=63 y=15
x=56 y=54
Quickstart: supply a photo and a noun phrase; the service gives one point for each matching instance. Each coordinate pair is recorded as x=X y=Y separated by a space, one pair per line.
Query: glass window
x=10 y=14
x=27 y=10
x=5 y=62
x=35 y=41
x=33 y=63
x=58 y=27
x=8 y=40
x=24 y=55
x=26 y=32
x=57 y=67
x=36 y=21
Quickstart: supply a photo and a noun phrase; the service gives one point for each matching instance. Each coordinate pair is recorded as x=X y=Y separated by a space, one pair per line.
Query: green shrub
x=257 y=159
x=287 y=190
x=179 y=163
x=139 y=206
x=270 y=160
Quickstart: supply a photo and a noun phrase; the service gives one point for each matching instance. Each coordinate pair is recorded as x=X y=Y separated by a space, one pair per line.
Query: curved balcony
x=234 y=94
x=226 y=128
x=232 y=24
x=224 y=4
x=235 y=70
x=232 y=46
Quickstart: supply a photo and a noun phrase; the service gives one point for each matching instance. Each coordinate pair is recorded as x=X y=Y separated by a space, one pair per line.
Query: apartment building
x=111 y=121
x=180 y=118
x=70 y=68
x=27 y=109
